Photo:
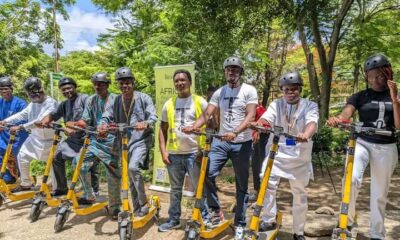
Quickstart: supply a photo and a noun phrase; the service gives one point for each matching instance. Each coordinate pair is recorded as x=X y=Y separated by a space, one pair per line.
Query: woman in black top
x=378 y=107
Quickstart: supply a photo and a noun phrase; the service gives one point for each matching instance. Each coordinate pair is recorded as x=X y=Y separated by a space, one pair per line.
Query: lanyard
x=127 y=113
x=291 y=115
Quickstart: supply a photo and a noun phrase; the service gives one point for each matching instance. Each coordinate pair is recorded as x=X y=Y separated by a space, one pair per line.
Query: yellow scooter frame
x=342 y=232
x=71 y=201
x=195 y=228
x=43 y=197
x=5 y=189
x=126 y=219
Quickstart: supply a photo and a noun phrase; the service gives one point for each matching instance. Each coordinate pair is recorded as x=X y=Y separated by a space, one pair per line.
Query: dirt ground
x=15 y=225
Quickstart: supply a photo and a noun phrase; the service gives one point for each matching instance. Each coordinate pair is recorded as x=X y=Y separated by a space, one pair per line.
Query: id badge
x=290 y=142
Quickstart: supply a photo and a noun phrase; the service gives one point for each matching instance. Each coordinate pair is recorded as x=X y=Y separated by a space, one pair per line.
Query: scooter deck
x=139 y=222
x=213 y=232
x=86 y=209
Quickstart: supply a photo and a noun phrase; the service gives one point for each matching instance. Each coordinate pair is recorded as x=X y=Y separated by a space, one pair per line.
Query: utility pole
x=56 y=55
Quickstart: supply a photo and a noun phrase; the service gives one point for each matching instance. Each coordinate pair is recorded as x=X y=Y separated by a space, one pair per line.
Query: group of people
x=232 y=109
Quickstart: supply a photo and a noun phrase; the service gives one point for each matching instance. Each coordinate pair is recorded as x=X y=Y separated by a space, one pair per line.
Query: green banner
x=164 y=90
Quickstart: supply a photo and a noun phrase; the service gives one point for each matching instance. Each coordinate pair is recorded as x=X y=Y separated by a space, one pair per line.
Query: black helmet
x=124 y=73
x=376 y=61
x=66 y=80
x=33 y=84
x=100 y=77
x=290 y=78
x=234 y=61
x=5 y=81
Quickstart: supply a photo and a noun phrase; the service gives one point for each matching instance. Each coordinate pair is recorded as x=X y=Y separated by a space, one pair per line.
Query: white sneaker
x=239 y=231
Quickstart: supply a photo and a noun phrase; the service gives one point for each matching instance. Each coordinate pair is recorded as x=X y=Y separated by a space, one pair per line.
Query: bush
x=330 y=145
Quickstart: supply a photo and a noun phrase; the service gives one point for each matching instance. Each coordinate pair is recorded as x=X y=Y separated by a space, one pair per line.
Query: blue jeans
x=180 y=164
x=219 y=154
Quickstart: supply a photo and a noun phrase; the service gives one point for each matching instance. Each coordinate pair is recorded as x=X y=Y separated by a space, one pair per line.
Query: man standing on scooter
x=10 y=105
x=237 y=103
x=134 y=109
x=299 y=117
x=38 y=144
x=178 y=149
x=70 y=110
x=100 y=149
x=377 y=107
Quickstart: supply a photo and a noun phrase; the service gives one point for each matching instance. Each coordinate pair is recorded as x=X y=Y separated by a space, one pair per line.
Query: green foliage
x=330 y=144
x=81 y=65
x=37 y=168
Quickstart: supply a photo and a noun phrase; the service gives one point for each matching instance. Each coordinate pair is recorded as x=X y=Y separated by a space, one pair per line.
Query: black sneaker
x=21 y=189
x=85 y=201
x=265 y=226
x=114 y=214
x=169 y=225
x=298 y=237
x=58 y=192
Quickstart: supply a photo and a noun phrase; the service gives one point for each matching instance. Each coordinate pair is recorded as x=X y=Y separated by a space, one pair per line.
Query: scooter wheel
x=123 y=234
x=61 y=219
x=36 y=209
x=192 y=234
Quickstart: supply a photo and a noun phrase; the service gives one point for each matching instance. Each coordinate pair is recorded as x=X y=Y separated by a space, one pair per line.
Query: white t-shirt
x=232 y=103
x=185 y=115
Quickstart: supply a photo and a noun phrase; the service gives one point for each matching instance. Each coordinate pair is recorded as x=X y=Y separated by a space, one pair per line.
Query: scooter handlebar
x=207 y=133
x=277 y=130
x=89 y=130
x=358 y=127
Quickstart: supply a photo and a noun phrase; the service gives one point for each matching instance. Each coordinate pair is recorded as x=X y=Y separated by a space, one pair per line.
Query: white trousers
x=24 y=161
x=299 y=205
x=383 y=160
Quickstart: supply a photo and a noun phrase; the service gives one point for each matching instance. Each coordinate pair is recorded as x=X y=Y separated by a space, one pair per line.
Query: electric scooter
x=43 y=197
x=196 y=228
x=70 y=203
x=343 y=232
x=253 y=232
x=5 y=189
x=126 y=219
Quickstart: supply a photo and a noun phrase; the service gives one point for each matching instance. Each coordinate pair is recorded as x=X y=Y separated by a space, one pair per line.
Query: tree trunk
x=312 y=72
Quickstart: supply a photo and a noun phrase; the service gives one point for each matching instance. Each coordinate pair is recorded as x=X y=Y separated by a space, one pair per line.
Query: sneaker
x=21 y=189
x=86 y=201
x=253 y=197
x=214 y=218
x=143 y=211
x=169 y=225
x=239 y=233
x=114 y=214
x=298 y=237
x=58 y=192
x=265 y=226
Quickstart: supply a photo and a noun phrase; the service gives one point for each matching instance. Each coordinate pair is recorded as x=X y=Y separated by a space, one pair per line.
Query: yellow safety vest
x=170 y=107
